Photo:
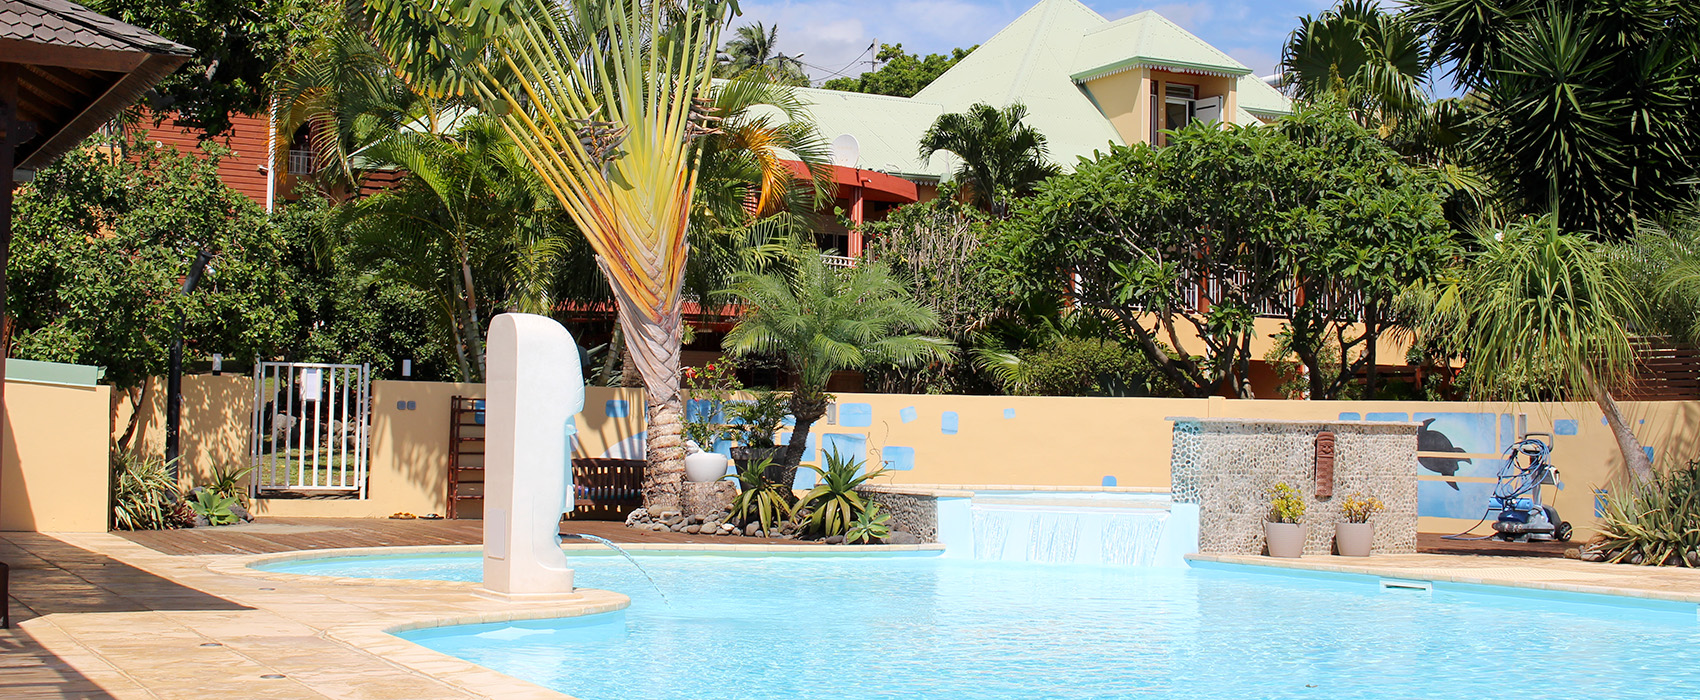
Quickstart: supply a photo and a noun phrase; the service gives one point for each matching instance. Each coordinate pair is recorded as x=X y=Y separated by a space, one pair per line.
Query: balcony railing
x=300 y=162
x=839 y=261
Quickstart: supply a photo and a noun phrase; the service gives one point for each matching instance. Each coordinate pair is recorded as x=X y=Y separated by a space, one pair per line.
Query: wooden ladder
x=466 y=452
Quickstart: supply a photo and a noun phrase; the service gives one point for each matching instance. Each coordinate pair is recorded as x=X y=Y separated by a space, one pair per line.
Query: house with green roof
x=1088 y=83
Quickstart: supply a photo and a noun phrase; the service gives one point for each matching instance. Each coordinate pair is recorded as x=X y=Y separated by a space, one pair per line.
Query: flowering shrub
x=714 y=383
x=1288 y=506
x=1357 y=509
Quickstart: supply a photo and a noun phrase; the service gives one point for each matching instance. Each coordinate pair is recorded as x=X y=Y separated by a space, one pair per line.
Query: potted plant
x=1353 y=537
x=1283 y=532
x=709 y=389
x=756 y=423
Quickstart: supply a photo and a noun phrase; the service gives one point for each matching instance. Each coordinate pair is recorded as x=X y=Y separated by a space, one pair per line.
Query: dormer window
x=1179 y=105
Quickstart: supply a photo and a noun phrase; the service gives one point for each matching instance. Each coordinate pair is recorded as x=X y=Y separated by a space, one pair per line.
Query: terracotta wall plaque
x=1324 y=464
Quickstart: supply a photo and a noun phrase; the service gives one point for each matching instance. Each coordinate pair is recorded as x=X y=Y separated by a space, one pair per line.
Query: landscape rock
x=1693 y=559
x=201 y=521
x=728 y=527
x=693 y=529
x=1593 y=555
x=835 y=539
x=901 y=537
x=751 y=529
x=241 y=513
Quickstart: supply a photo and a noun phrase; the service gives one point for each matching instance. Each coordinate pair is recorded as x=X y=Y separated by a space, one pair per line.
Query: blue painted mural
x=948 y=423
x=1564 y=426
x=907 y=415
x=1465 y=500
x=1008 y=413
x=617 y=408
x=856 y=415
x=896 y=458
x=808 y=447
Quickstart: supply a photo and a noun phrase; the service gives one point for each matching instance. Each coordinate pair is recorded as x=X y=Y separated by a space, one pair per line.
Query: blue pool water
x=928 y=627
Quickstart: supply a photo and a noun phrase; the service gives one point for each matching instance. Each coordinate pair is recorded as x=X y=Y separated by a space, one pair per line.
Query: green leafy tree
x=1362 y=226
x=1586 y=105
x=102 y=246
x=901 y=74
x=1184 y=246
x=823 y=320
x=350 y=315
x=938 y=248
x=1539 y=312
x=237 y=44
x=1001 y=157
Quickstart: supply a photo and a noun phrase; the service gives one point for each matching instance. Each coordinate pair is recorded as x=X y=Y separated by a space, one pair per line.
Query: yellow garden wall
x=214 y=436
x=53 y=475
x=1040 y=441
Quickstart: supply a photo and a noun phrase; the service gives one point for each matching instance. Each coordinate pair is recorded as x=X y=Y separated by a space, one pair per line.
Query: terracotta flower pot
x=1284 y=539
x=1354 y=539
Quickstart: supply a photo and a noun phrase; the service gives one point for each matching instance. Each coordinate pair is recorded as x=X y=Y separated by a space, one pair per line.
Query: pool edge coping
x=243 y=565
x=1411 y=575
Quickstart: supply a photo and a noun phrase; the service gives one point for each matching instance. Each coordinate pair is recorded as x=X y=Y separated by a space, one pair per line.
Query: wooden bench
x=606 y=489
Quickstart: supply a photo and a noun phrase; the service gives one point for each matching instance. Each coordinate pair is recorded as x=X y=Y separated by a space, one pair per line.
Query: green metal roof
x=1039 y=60
x=1257 y=97
x=1148 y=39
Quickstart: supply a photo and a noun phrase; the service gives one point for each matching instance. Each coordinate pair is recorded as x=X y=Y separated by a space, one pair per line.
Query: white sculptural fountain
x=534 y=387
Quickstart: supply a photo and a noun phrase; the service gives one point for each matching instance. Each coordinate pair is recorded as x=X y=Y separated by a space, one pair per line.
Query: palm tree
x=756 y=47
x=605 y=98
x=1587 y=106
x=1540 y=312
x=823 y=320
x=1373 y=62
x=999 y=153
x=470 y=219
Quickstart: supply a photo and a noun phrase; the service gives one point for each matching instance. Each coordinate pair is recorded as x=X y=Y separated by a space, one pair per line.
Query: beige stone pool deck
x=100 y=616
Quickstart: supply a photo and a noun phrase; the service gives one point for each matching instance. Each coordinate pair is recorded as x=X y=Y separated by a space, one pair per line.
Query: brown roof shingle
x=61 y=23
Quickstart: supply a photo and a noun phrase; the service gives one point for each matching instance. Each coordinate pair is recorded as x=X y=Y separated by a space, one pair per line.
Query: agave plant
x=766 y=501
x=143 y=493
x=870 y=526
x=213 y=507
x=834 y=504
x=1653 y=522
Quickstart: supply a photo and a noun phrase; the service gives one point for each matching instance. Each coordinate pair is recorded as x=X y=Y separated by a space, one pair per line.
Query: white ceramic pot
x=1353 y=539
x=1284 y=539
x=705 y=466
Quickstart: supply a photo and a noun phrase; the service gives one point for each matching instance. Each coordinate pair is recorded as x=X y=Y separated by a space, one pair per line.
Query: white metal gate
x=309 y=427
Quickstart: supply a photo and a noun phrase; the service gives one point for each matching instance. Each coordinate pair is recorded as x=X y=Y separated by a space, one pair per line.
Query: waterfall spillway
x=1121 y=529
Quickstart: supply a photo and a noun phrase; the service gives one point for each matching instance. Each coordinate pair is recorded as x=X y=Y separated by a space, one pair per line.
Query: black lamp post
x=174 y=381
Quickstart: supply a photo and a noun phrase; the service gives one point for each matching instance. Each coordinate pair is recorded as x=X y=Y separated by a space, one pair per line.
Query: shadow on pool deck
x=51 y=577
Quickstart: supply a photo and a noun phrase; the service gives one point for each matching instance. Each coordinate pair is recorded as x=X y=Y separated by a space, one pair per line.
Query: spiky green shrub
x=870 y=526
x=833 y=504
x=762 y=499
x=1653 y=522
x=144 y=497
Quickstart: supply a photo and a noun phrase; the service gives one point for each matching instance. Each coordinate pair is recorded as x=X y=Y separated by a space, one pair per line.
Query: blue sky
x=832 y=34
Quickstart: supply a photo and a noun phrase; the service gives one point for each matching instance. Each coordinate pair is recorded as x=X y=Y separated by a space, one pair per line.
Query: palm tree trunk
x=807 y=407
x=1633 y=455
x=629 y=374
x=654 y=346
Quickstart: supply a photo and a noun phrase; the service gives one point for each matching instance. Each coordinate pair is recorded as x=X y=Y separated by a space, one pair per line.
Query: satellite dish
x=845 y=151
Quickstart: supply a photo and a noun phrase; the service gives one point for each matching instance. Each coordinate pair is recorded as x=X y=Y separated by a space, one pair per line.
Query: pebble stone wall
x=916 y=514
x=1228 y=466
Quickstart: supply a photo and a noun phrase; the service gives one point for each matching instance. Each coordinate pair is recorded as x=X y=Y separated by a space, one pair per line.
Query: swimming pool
x=924 y=626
